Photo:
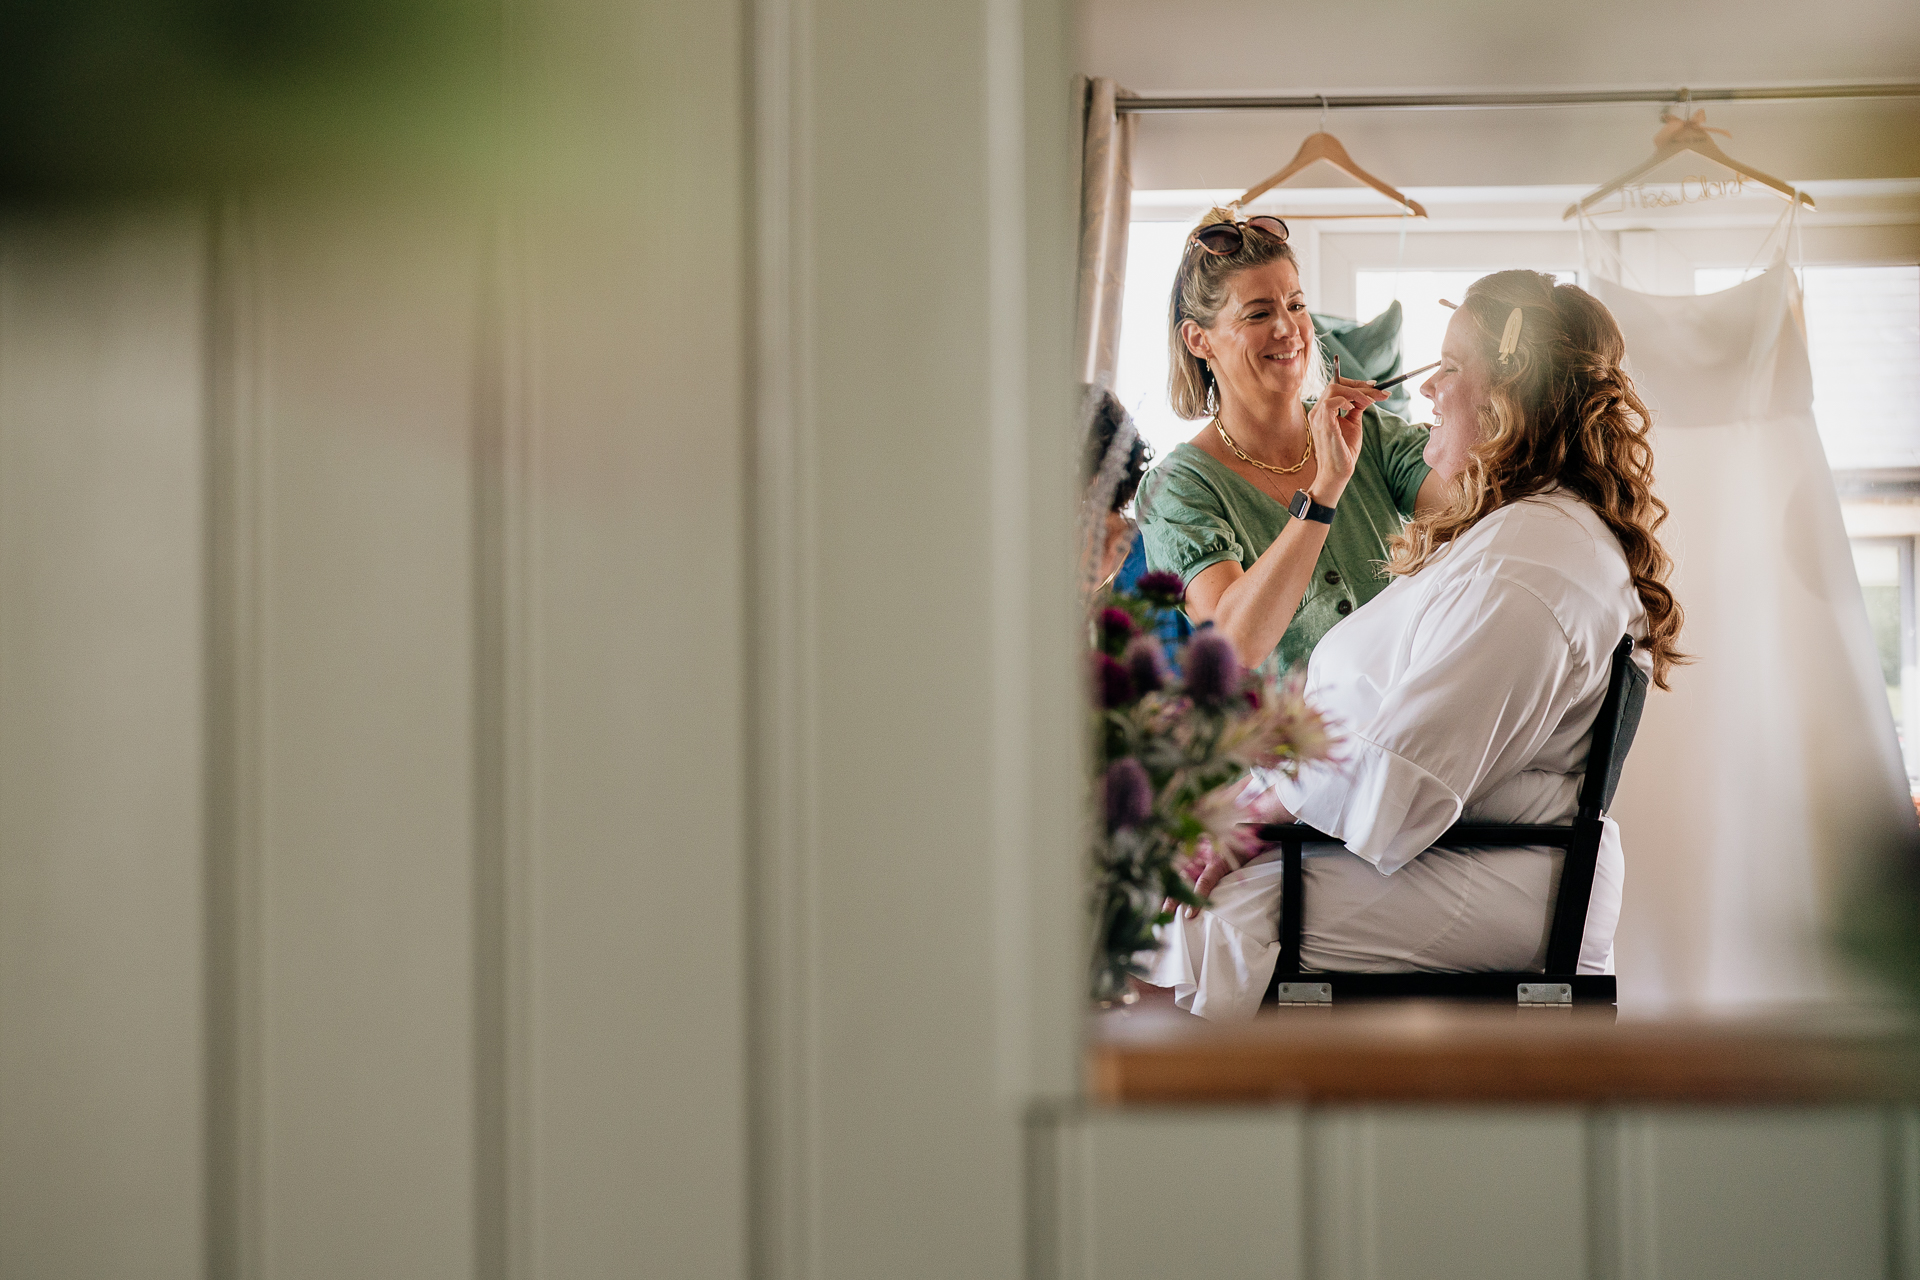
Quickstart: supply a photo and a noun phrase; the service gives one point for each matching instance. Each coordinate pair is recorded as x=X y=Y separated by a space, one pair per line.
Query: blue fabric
x=1174 y=627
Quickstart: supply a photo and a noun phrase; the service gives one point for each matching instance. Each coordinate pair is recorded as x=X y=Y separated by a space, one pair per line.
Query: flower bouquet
x=1173 y=754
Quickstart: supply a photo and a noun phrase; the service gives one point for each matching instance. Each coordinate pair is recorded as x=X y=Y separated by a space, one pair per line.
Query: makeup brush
x=1396 y=381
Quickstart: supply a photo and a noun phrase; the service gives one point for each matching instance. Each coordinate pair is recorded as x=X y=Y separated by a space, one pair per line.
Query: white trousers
x=1447 y=911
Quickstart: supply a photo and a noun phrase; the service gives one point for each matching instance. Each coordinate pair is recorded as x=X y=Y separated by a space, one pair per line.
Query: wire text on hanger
x=1689 y=190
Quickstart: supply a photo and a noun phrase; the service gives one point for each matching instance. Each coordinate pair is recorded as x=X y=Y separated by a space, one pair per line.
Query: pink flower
x=1298 y=721
x=1229 y=814
x=1279 y=733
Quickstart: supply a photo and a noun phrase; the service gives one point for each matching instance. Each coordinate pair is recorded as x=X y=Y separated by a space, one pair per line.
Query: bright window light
x=1863 y=340
x=1877 y=562
x=1153 y=256
x=1423 y=322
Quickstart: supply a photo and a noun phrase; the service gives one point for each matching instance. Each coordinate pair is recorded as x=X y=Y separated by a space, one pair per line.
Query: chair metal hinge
x=1306 y=993
x=1546 y=994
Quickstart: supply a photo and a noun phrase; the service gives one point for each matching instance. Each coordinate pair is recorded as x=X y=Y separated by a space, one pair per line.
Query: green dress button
x=1333 y=577
x=1344 y=608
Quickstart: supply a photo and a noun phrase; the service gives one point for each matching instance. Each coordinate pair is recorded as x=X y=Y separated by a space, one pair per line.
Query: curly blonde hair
x=1560 y=411
x=1199 y=291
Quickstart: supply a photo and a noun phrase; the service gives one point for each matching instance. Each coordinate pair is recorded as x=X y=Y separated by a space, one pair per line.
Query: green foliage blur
x=1880 y=926
x=1883 y=613
x=115 y=97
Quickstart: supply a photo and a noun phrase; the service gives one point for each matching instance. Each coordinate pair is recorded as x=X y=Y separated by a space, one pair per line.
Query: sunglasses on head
x=1223 y=238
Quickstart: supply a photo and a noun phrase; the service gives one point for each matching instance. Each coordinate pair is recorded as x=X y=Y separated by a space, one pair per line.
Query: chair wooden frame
x=1558 y=984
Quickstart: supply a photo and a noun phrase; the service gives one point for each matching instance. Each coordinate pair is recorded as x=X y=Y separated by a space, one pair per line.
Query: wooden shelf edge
x=1481 y=1058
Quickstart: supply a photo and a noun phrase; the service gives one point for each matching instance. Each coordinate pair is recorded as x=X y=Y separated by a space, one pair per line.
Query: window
x=1153 y=256
x=1885 y=569
x=1863 y=340
x=1423 y=322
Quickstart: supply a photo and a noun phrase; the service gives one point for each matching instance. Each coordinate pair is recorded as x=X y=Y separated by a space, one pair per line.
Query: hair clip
x=1510 y=336
x=1451 y=306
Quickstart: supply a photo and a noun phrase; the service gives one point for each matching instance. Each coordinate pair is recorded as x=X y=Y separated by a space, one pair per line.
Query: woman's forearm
x=1253 y=608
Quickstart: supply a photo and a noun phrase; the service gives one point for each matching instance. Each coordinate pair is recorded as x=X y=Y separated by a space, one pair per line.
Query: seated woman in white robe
x=1468 y=688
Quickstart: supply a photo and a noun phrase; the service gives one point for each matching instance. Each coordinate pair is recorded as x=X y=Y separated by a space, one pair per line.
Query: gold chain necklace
x=1255 y=462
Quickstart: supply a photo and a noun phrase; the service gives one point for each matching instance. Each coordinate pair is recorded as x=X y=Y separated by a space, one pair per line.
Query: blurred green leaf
x=118 y=96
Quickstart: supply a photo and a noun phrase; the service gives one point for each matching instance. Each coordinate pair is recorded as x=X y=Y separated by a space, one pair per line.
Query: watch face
x=1302 y=508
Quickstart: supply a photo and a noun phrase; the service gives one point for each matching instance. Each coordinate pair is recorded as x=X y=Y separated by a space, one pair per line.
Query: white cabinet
x=1399 y=1193
x=1752 y=1194
x=1160 y=1188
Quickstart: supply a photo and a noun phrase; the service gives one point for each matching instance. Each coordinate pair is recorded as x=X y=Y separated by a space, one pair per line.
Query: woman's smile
x=1258 y=348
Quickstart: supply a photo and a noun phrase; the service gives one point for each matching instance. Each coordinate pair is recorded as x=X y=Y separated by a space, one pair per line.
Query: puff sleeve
x=1184 y=524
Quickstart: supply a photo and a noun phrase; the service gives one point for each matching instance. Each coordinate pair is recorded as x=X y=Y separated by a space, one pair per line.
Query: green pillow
x=1370 y=350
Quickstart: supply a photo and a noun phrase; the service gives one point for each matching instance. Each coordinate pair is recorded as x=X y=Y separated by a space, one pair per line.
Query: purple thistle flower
x=1129 y=794
x=1161 y=588
x=1213 y=669
x=1116 y=628
x=1112 y=682
x=1147 y=665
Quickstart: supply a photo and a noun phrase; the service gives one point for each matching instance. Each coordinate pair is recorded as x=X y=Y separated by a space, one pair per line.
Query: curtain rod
x=1447 y=101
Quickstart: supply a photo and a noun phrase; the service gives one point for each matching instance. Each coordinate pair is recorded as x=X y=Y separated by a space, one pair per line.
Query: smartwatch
x=1303 y=507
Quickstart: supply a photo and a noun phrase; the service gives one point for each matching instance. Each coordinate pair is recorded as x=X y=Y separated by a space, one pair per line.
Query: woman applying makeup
x=1468 y=691
x=1277 y=514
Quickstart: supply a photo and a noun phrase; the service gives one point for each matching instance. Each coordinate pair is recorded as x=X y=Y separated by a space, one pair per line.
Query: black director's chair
x=1613 y=733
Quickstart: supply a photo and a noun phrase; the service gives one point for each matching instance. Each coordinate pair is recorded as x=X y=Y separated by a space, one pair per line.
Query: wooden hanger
x=1324 y=146
x=1677 y=134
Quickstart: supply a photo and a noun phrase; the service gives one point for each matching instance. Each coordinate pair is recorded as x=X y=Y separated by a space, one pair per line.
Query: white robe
x=1466 y=691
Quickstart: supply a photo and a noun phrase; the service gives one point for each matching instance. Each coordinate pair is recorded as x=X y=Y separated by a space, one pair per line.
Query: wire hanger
x=1680 y=133
x=1324 y=146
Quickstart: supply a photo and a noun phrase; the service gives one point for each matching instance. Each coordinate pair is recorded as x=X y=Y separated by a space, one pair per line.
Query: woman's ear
x=1196 y=339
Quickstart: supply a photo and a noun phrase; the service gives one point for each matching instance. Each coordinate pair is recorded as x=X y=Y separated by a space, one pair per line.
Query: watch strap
x=1303 y=507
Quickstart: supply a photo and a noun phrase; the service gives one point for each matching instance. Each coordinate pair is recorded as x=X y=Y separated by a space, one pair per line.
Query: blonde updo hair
x=1199 y=292
x=1560 y=411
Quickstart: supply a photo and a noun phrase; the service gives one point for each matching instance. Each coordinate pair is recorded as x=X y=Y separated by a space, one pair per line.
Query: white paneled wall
x=1410 y=1193
x=372 y=720
x=1419 y=1193
x=917 y=975
x=102 y=458
x=1156 y=1203
x=359 y=1030
x=527 y=716
x=1760 y=1194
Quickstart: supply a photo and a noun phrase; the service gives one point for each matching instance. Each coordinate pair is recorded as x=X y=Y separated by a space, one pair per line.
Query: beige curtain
x=1106 y=205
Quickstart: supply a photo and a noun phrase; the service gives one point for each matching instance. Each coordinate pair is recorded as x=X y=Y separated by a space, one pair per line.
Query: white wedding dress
x=1771 y=769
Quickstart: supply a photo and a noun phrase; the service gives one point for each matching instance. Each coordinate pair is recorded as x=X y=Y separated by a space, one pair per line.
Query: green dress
x=1196 y=511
